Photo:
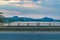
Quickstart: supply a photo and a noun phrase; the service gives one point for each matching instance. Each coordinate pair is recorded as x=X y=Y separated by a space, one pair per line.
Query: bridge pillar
x=49 y=24
x=28 y=24
x=38 y=24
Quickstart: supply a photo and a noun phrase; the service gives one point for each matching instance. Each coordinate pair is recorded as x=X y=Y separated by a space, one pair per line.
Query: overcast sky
x=31 y=8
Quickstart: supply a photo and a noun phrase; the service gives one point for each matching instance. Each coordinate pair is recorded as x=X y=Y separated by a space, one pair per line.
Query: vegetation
x=29 y=29
x=1 y=19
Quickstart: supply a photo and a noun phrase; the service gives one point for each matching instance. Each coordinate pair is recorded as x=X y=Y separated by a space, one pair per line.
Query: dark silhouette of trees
x=1 y=19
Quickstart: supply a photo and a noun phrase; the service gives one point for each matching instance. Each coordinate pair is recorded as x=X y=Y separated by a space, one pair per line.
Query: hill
x=44 y=19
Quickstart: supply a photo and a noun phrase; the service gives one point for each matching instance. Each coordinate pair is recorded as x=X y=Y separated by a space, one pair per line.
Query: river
x=30 y=35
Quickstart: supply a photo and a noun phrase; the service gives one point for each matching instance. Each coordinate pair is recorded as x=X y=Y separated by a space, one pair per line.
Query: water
x=30 y=36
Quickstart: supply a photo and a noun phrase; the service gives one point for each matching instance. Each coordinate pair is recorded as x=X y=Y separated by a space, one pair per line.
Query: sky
x=31 y=8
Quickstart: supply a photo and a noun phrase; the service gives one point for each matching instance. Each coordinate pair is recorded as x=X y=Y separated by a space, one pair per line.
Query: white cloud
x=2 y=2
x=24 y=3
x=8 y=13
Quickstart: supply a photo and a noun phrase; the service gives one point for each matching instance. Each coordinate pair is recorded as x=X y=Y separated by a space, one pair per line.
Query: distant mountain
x=44 y=19
x=47 y=19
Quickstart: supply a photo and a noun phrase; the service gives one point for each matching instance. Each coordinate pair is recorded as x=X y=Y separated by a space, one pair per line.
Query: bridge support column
x=49 y=24
x=38 y=24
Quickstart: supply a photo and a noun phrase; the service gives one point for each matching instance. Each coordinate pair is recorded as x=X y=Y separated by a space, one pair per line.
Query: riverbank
x=30 y=29
x=38 y=32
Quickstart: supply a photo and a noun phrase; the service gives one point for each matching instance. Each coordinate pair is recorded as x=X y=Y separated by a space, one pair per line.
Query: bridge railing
x=32 y=24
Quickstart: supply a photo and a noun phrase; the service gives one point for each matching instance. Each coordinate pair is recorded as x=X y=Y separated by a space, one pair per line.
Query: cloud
x=26 y=5
x=8 y=13
x=9 y=0
x=20 y=3
x=5 y=2
x=35 y=8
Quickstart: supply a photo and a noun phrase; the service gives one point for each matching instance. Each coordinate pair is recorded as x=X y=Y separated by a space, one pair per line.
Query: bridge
x=33 y=24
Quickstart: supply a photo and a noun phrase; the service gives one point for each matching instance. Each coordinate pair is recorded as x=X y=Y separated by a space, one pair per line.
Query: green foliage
x=1 y=17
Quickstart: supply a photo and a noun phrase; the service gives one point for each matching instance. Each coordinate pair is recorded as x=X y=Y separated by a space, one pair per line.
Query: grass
x=30 y=28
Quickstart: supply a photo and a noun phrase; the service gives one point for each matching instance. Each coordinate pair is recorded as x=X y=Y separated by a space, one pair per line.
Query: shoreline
x=21 y=32
x=29 y=29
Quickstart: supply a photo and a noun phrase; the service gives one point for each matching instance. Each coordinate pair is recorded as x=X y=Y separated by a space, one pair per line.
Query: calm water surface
x=30 y=36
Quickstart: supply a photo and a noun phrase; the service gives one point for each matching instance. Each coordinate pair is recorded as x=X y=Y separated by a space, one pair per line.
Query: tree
x=1 y=19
